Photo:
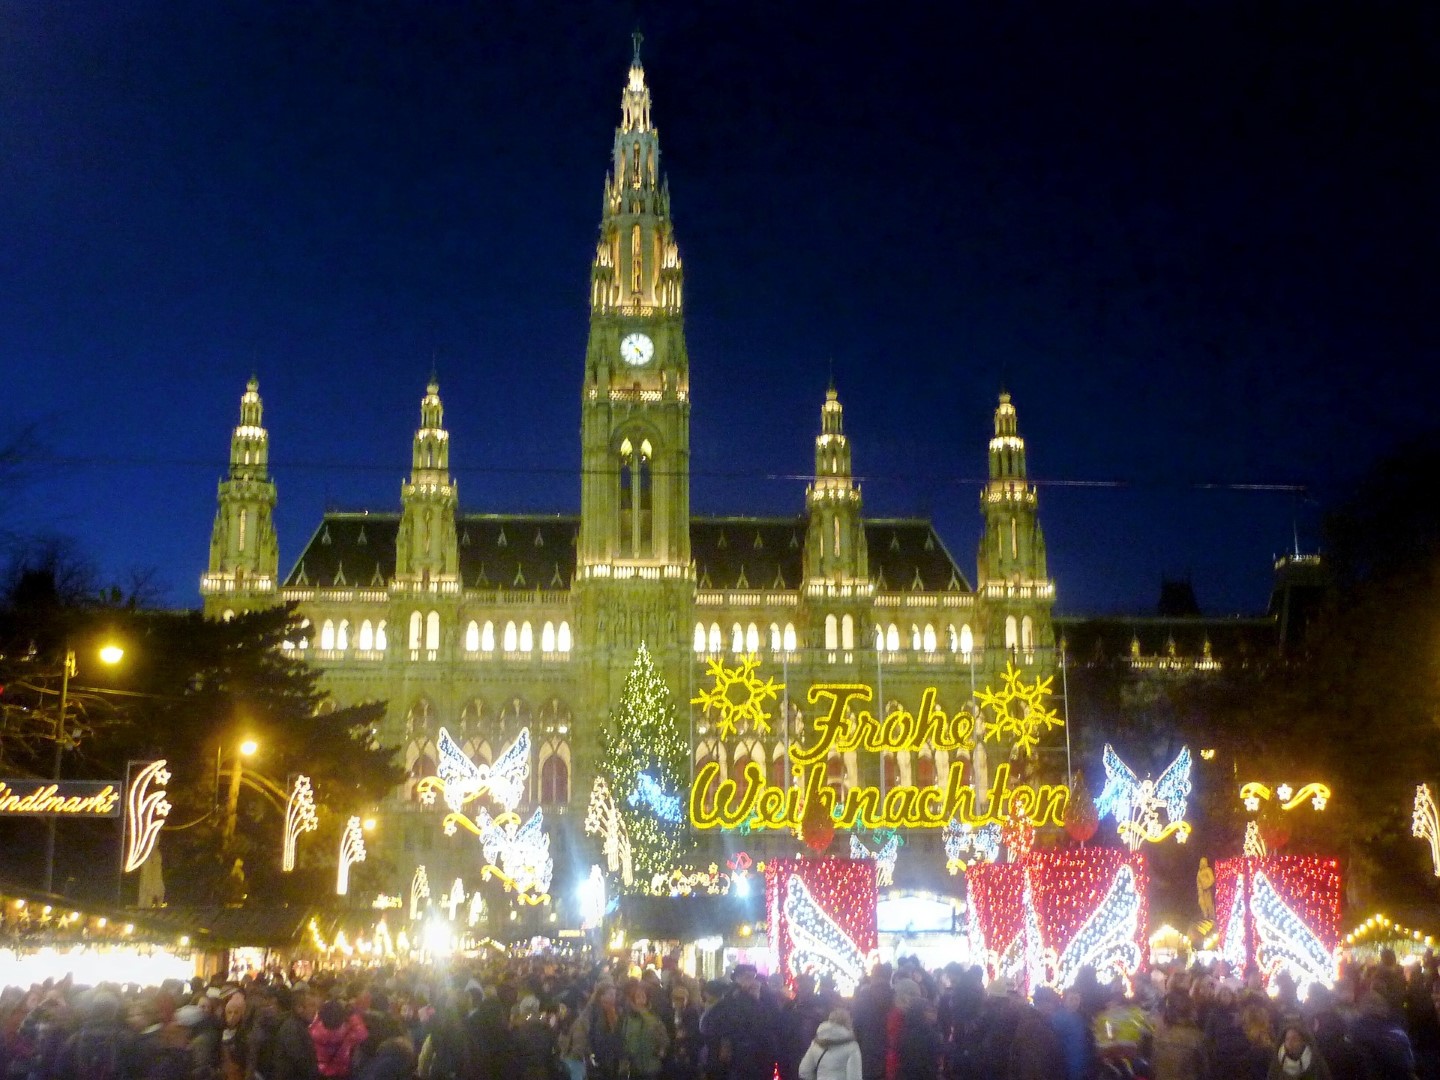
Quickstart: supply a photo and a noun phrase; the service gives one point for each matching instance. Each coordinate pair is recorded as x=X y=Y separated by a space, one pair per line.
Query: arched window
x=779 y=767
x=511 y=639
x=890 y=770
x=752 y=639
x=554 y=781
x=879 y=639
x=832 y=632
x=706 y=751
x=420 y=752
x=562 y=638
x=835 y=774
x=928 y=638
x=789 y=637
x=380 y=637
x=547 y=638
x=367 y=637
x=432 y=631
x=635 y=497
x=737 y=639
x=699 y=639
x=1012 y=632
x=527 y=637
x=914 y=638
x=417 y=632
x=714 y=637
x=953 y=638
x=847 y=632
x=327 y=634
x=967 y=641
x=472 y=637
x=774 y=637
x=342 y=635
x=487 y=636
x=1027 y=634
x=925 y=769
x=892 y=638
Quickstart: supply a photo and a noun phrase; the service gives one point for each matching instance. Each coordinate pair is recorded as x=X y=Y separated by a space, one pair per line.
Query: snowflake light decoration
x=738 y=696
x=1018 y=710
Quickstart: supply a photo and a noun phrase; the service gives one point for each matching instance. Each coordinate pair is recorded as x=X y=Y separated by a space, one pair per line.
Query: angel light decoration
x=1136 y=804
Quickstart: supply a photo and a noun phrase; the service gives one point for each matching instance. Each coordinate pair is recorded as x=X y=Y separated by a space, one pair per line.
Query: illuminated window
x=227 y=615
x=737 y=639
x=789 y=637
x=415 y=632
x=752 y=639
x=914 y=638
x=1027 y=634
x=879 y=639
x=547 y=637
x=967 y=641
x=243 y=516
x=562 y=638
x=527 y=637
x=779 y=767
x=847 y=632
x=929 y=638
x=342 y=635
x=714 y=637
x=487 y=636
x=892 y=638
x=510 y=637
x=954 y=638
x=774 y=637
x=367 y=636
x=832 y=632
x=327 y=635
x=890 y=770
x=380 y=636
x=699 y=639
x=472 y=637
x=1012 y=632
x=432 y=631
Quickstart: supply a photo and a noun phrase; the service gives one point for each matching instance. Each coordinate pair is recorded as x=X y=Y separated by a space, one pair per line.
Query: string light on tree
x=352 y=850
x=1135 y=804
x=648 y=794
x=146 y=808
x=1425 y=823
x=299 y=818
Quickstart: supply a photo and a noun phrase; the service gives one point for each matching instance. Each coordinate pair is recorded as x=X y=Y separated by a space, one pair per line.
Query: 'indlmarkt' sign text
x=66 y=798
x=728 y=804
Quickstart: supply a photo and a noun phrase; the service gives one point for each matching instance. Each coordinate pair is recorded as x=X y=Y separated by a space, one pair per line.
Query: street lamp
x=110 y=654
x=246 y=748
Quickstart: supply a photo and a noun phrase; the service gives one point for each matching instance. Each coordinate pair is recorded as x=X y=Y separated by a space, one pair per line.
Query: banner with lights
x=1281 y=913
x=822 y=918
x=62 y=798
x=1039 y=920
x=1018 y=712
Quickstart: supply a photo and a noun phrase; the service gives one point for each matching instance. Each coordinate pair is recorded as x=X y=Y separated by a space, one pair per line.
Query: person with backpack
x=833 y=1054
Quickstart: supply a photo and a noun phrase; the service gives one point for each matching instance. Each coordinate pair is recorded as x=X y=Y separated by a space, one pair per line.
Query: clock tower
x=634 y=579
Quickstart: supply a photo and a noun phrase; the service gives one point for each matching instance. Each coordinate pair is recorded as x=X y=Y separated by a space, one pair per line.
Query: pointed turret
x=244 y=556
x=1013 y=578
x=425 y=550
x=835 y=541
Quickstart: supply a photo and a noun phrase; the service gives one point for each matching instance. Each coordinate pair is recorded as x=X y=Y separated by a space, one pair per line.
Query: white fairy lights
x=818 y=945
x=1284 y=943
x=299 y=818
x=352 y=850
x=884 y=858
x=146 y=808
x=1136 y=804
x=602 y=818
x=419 y=891
x=1425 y=823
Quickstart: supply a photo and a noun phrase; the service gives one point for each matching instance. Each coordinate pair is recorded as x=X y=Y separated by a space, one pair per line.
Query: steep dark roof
x=530 y=551
x=1106 y=640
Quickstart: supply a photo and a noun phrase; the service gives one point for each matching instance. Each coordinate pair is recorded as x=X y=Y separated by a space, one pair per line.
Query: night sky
x=1197 y=241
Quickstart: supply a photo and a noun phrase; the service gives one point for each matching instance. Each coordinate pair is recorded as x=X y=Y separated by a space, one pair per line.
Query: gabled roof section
x=496 y=551
x=909 y=556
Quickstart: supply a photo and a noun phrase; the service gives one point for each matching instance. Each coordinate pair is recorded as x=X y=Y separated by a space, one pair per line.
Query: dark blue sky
x=1197 y=241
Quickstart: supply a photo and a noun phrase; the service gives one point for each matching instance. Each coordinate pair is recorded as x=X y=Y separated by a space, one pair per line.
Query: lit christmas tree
x=646 y=764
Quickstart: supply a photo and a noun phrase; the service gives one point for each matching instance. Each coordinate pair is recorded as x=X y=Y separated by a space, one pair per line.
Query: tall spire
x=637 y=262
x=835 y=549
x=425 y=550
x=244 y=556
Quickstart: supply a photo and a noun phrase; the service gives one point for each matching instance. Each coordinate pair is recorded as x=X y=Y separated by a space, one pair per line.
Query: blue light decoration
x=1135 y=804
x=649 y=793
x=885 y=857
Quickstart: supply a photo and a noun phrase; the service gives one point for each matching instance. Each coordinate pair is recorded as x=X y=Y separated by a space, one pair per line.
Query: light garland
x=682 y=882
x=299 y=818
x=737 y=696
x=352 y=850
x=460 y=781
x=885 y=858
x=1425 y=823
x=1284 y=943
x=1034 y=717
x=146 y=808
x=517 y=855
x=455 y=899
x=1283 y=915
x=1316 y=794
x=961 y=838
x=822 y=917
x=419 y=890
x=1380 y=926
x=603 y=818
x=1135 y=804
x=648 y=794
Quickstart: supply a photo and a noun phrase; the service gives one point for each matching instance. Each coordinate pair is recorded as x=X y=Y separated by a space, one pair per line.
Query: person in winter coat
x=595 y=1038
x=642 y=1036
x=1179 y=1052
x=533 y=1047
x=393 y=1059
x=336 y=1032
x=1036 y=1053
x=913 y=1039
x=290 y=1053
x=1380 y=1037
x=833 y=1054
x=800 y=1018
x=1296 y=1058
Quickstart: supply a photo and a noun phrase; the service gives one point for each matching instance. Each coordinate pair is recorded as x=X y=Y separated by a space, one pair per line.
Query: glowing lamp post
x=247 y=748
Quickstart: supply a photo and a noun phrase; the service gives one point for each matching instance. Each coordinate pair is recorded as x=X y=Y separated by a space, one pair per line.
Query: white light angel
x=461 y=780
x=884 y=858
x=519 y=855
x=1136 y=804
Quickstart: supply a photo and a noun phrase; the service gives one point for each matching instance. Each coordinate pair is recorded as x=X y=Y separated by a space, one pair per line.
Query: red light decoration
x=1280 y=913
x=832 y=895
x=1040 y=918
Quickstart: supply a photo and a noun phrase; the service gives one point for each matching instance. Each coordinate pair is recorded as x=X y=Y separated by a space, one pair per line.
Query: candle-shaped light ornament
x=299 y=817
x=352 y=850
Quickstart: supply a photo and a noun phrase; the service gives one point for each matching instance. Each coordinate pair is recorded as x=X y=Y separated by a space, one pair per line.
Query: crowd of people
x=537 y=1018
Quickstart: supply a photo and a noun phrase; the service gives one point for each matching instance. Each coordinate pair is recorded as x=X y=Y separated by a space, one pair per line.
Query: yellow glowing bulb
x=184 y=940
x=45 y=910
x=368 y=824
x=111 y=654
x=248 y=747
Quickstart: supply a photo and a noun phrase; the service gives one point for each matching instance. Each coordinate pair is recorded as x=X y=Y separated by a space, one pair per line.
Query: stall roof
x=685 y=918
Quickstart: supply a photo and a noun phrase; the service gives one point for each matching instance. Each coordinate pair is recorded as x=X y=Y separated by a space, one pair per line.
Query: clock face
x=636 y=349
